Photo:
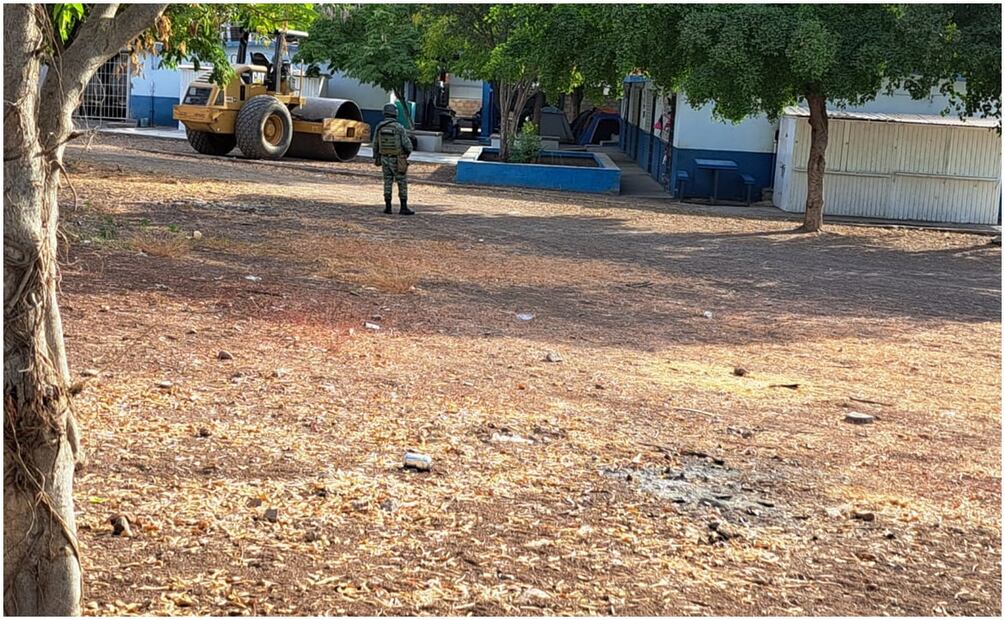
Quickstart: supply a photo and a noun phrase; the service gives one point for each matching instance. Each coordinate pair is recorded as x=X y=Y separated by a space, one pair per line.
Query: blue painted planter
x=604 y=179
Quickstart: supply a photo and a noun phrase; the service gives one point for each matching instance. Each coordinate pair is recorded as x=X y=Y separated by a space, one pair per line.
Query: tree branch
x=101 y=35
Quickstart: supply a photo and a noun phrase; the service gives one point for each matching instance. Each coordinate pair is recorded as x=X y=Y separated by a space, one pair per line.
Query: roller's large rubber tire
x=264 y=128
x=211 y=143
x=311 y=146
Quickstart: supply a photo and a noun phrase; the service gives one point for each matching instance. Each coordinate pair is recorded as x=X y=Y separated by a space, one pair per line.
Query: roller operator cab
x=259 y=113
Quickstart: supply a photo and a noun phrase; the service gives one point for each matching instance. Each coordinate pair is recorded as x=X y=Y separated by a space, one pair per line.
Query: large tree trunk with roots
x=813 y=219
x=42 y=573
x=513 y=97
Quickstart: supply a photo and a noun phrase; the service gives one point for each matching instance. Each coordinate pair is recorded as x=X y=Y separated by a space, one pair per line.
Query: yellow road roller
x=259 y=113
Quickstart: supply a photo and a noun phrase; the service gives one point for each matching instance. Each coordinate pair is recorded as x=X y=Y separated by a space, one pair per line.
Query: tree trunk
x=399 y=94
x=814 y=217
x=41 y=560
x=505 y=129
x=538 y=104
x=512 y=99
x=42 y=575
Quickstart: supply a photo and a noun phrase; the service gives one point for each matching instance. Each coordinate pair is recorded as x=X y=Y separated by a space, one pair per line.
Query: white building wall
x=366 y=97
x=152 y=81
x=698 y=129
x=901 y=171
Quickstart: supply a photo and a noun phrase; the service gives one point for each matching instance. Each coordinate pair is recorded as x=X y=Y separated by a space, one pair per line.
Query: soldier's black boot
x=387 y=205
x=404 y=208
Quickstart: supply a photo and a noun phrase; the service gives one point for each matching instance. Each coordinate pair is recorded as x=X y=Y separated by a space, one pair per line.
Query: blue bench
x=749 y=182
x=682 y=179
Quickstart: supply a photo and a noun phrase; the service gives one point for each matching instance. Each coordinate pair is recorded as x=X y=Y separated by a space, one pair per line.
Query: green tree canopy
x=377 y=44
x=522 y=49
x=753 y=59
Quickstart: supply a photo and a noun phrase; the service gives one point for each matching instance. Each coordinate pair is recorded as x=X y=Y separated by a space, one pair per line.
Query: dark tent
x=602 y=124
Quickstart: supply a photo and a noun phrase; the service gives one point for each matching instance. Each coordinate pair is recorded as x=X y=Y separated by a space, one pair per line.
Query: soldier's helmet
x=390 y=110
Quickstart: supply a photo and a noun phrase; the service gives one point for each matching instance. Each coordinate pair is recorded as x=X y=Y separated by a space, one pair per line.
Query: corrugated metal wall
x=902 y=171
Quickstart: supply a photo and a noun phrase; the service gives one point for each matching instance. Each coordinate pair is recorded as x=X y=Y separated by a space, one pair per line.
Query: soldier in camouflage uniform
x=391 y=148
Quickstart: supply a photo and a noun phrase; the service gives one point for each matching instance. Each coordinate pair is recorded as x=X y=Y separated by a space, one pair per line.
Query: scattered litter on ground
x=855 y=417
x=869 y=402
x=120 y=526
x=501 y=438
x=418 y=461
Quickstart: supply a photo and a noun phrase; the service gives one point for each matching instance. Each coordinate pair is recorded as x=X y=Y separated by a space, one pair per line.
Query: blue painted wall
x=564 y=178
x=731 y=187
x=659 y=151
x=642 y=151
x=157 y=109
x=372 y=118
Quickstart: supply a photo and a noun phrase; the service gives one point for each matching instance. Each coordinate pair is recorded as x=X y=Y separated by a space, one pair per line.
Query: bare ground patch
x=650 y=311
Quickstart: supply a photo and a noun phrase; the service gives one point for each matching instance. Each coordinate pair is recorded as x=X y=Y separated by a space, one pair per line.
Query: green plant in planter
x=525 y=148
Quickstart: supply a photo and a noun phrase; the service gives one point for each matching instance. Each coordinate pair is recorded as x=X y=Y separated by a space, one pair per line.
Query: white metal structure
x=106 y=96
x=895 y=166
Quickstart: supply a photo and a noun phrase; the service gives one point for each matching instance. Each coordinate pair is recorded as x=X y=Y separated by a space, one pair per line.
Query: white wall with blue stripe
x=665 y=135
x=155 y=90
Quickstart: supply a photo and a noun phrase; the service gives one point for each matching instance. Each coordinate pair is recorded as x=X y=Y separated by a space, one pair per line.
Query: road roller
x=259 y=113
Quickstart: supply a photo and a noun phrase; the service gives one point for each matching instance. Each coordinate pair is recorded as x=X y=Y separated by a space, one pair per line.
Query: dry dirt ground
x=638 y=475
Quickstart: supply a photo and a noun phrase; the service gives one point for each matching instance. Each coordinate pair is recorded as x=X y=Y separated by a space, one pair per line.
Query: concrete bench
x=548 y=143
x=430 y=141
x=748 y=181
x=682 y=179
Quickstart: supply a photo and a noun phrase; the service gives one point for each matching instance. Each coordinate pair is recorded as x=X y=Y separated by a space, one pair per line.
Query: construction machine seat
x=258 y=58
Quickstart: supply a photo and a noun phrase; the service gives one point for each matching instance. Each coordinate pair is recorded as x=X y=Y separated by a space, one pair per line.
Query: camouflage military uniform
x=391 y=148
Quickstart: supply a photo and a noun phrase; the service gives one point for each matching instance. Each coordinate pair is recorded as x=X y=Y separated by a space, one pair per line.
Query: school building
x=891 y=158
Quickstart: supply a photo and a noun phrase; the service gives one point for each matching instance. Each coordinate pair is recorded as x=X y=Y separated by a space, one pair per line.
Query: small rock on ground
x=552 y=357
x=120 y=526
x=534 y=595
x=859 y=418
x=224 y=355
x=312 y=535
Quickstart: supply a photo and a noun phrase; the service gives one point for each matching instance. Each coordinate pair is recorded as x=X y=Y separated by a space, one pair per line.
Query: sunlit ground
x=641 y=474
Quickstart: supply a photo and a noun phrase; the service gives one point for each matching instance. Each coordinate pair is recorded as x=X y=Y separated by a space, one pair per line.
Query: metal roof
x=915 y=119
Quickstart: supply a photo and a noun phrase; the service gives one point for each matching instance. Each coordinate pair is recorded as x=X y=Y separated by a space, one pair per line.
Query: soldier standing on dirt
x=391 y=148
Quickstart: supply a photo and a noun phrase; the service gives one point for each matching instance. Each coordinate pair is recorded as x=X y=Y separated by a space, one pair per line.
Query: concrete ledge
x=429 y=141
x=548 y=143
x=604 y=179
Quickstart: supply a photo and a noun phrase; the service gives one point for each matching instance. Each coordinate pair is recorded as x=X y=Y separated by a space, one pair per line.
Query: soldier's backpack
x=388 y=142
